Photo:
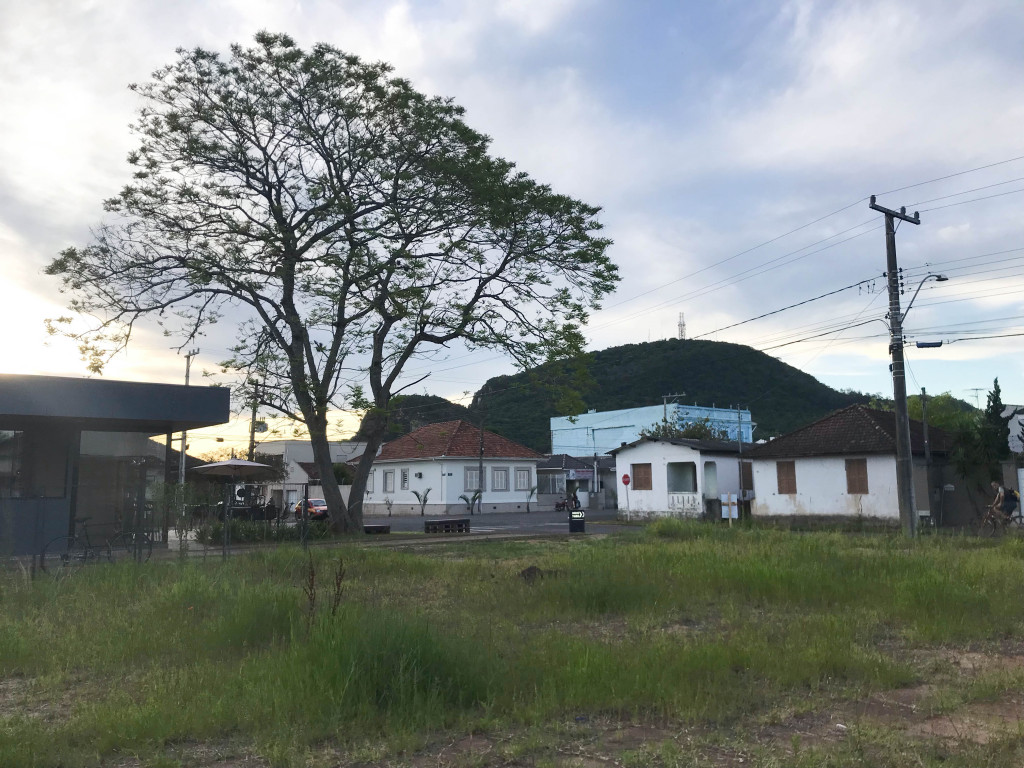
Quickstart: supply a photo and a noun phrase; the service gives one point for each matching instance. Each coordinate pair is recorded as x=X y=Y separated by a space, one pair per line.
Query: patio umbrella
x=234 y=470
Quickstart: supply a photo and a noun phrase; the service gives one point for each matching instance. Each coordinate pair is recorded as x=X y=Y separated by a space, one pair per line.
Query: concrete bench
x=448 y=525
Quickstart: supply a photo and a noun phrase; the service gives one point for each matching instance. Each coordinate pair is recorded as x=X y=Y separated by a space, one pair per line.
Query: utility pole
x=480 y=469
x=739 y=456
x=927 y=451
x=252 y=420
x=904 y=458
x=184 y=434
x=664 y=404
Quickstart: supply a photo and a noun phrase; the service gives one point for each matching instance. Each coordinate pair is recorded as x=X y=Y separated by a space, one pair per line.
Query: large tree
x=344 y=221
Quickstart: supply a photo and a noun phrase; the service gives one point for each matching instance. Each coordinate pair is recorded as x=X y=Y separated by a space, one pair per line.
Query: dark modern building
x=82 y=448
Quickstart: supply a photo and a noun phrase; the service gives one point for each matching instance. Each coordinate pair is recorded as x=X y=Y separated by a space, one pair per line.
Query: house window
x=786 y=473
x=550 y=482
x=641 y=477
x=499 y=479
x=369 y=480
x=856 y=475
x=682 y=476
x=523 y=477
x=405 y=479
x=473 y=479
x=389 y=481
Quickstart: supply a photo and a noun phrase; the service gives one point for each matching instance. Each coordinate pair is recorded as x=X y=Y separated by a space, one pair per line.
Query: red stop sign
x=625 y=479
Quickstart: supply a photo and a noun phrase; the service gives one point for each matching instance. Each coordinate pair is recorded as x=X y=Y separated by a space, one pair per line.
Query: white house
x=300 y=469
x=676 y=477
x=441 y=462
x=845 y=464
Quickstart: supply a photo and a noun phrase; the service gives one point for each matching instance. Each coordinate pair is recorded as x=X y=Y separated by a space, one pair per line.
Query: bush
x=258 y=531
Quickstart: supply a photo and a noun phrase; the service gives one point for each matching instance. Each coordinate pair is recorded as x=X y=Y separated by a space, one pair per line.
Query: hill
x=414 y=411
x=710 y=373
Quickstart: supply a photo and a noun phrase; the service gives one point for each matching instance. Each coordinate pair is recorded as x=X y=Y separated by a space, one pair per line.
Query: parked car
x=317 y=509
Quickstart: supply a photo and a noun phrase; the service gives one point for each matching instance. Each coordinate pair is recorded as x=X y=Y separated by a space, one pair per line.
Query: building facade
x=441 y=463
x=591 y=433
x=677 y=478
x=79 y=450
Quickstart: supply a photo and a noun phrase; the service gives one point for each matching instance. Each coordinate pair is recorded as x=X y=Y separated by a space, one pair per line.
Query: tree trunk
x=342 y=517
x=373 y=428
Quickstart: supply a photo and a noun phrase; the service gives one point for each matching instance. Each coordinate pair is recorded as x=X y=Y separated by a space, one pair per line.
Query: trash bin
x=577 y=521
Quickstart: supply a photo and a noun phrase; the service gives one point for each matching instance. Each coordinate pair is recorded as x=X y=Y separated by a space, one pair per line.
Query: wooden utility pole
x=904 y=458
x=664 y=404
x=184 y=435
x=252 y=420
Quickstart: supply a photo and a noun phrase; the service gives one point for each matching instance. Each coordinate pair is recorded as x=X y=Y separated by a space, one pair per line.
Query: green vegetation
x=780 y=397
x=409 y=412
x=375 y=656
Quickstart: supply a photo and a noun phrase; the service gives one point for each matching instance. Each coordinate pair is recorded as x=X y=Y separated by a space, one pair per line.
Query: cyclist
x=1005 y=501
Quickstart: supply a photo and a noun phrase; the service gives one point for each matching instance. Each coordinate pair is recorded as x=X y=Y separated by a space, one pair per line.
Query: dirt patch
x=973 y=663
x=980 y=723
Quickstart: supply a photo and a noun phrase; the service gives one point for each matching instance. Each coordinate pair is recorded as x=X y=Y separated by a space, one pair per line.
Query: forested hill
x=780 y=397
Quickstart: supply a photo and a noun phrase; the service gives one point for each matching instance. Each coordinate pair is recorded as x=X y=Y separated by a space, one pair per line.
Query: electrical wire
x=952 y=175
x=974 y=200
x=783 y=309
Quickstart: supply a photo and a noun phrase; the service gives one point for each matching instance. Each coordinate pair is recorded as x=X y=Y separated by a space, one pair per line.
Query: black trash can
x=577 y=521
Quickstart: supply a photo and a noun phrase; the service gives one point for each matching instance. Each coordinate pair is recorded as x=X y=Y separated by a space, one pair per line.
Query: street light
x=936 y=277
x=904 y=459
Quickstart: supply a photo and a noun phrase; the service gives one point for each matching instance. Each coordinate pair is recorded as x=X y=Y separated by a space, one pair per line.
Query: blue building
x=593 y=432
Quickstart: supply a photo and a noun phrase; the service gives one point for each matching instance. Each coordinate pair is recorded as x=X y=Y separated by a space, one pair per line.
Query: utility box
x=577 y=521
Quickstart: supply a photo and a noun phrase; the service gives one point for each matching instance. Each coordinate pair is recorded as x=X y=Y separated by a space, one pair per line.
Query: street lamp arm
x=938 y=279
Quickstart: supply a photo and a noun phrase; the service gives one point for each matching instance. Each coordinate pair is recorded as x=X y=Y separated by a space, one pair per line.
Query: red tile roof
x=855 y=429
x=453 y=439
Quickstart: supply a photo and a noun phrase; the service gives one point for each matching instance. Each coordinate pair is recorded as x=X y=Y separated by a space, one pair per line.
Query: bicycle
x=70 y=552
x=66 y=553
x=130 y=545
x=995 y=522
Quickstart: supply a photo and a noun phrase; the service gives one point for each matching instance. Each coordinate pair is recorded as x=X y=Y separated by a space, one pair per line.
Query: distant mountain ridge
x=707 y=373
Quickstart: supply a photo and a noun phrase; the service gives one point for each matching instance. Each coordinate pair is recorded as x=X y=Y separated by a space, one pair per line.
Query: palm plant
x=470 y=500
x=532 y=492
x=422 y=499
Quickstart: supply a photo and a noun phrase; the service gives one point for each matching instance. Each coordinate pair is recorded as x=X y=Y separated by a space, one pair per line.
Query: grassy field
x=685 y=644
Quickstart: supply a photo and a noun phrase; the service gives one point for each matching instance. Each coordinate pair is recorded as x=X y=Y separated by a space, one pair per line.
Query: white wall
x=821 y=488
x=658 y=501
x=295 y=451
x=446 y=480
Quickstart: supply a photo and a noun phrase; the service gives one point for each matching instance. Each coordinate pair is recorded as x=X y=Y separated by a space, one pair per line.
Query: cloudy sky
x=732 y=146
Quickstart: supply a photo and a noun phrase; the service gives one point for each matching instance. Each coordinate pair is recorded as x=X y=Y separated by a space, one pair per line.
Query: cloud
x=733 y=132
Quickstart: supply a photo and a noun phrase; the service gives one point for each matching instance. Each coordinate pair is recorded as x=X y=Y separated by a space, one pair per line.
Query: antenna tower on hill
x=682 y=326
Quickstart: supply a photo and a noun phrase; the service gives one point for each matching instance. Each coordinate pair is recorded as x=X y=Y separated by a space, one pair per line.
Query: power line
x=979 y=338
x=966 y=192
x=742 y=253
x=783 y=309
x=974 y=200
x=953 y=175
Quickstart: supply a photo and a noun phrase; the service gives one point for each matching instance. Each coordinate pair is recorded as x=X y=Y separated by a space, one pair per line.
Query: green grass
x=687 y=623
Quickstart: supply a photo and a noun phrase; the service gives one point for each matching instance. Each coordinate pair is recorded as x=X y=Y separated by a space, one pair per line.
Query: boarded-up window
x=747 y=472
x=856 y=475
x=641 y=477
x=786 y=473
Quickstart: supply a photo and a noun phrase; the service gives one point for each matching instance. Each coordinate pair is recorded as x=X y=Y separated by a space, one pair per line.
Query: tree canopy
x=699 y=429
x=344 y=221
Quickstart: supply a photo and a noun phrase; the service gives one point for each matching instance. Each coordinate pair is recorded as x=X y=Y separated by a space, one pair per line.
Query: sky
x=731 y=145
